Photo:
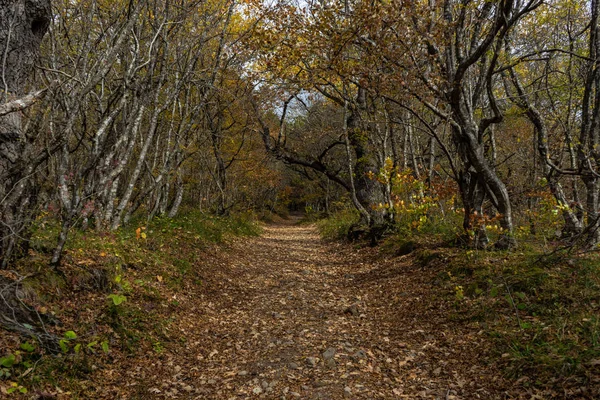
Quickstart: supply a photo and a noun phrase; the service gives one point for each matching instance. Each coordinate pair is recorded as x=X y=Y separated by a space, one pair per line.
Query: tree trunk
x=369 y=191
x=473 y=196
x=178 y=197
x=23 y=24
x=495 y=188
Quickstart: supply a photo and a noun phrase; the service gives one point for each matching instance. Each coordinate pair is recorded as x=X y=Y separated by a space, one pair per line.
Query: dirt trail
x=289 y=316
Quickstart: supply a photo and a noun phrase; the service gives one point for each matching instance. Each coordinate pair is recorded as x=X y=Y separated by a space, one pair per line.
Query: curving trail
x=287 y=316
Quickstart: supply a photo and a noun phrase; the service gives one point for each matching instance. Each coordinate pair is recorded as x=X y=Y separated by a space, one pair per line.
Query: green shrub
x=338 y=225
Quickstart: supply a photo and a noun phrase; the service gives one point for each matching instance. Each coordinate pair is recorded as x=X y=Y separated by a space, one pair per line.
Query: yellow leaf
x=159 y=278
x=143 y=235
x=102 y=254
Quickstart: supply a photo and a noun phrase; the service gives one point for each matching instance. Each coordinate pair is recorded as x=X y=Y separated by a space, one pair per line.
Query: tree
x=23 y=24
x=557 y=91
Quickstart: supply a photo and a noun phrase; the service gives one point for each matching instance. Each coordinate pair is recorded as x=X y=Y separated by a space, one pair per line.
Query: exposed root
x=19 y=317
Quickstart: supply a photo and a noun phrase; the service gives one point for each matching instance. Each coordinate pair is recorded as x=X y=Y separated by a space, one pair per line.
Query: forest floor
x=280 y=316
x=286 y=315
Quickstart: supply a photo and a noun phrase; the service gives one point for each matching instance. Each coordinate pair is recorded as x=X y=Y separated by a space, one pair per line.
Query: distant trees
x=436 y=87
x=142 y=107
x=141 y=100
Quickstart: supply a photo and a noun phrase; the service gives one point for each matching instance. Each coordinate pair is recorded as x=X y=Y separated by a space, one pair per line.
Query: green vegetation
x=541 y=312
x=113 y=293
x=539 y=308
x=538 y=305
x=338 y=225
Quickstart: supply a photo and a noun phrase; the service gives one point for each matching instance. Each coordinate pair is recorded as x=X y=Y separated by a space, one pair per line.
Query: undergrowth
x=540 y=311
x=337 y=226
x=539 y=306
x=109 y=294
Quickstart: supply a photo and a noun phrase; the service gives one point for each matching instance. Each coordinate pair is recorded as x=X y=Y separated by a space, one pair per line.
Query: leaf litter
x=287 y=315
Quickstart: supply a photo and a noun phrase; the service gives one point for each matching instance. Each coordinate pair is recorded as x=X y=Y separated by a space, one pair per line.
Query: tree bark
x=23 y=24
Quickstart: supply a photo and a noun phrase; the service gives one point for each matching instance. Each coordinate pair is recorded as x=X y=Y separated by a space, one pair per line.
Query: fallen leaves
x=140 y=234
x=273 y=316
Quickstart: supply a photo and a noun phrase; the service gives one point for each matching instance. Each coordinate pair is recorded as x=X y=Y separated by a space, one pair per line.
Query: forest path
x=296 y=317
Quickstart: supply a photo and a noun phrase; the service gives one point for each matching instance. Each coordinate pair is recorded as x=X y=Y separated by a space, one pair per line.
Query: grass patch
x=337 y=226
x=542 y=313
